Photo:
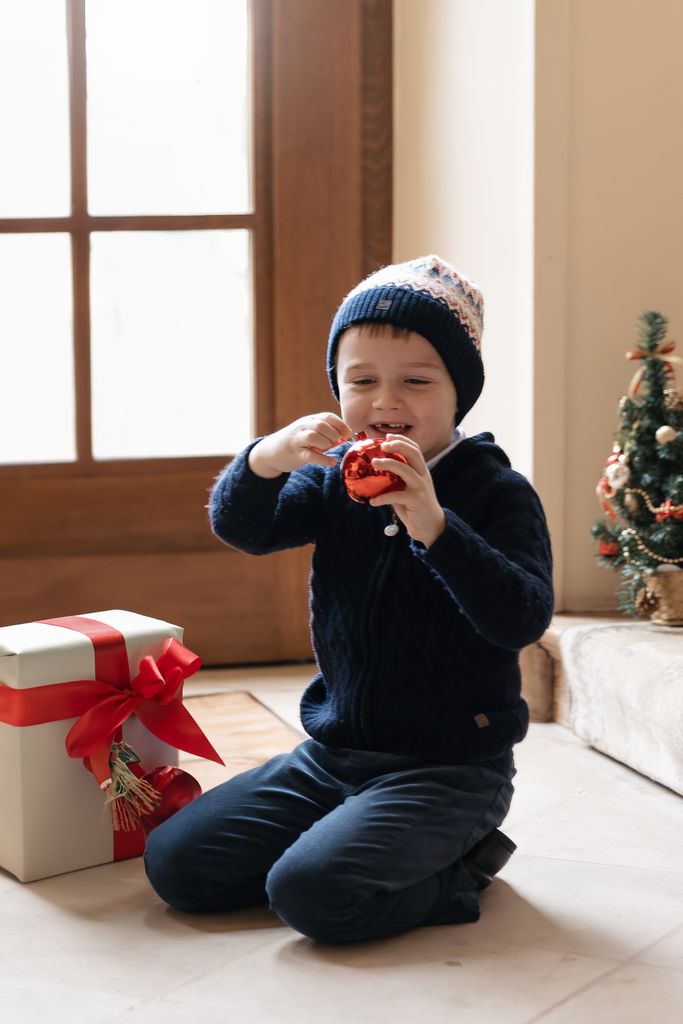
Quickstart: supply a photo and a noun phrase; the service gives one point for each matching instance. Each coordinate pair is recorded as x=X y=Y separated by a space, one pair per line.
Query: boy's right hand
x=299 y=443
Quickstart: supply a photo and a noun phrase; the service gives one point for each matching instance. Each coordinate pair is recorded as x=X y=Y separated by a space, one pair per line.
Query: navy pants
x=344 y=844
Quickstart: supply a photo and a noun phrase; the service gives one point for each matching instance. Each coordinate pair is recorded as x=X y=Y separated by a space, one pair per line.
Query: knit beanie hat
x=429 y=297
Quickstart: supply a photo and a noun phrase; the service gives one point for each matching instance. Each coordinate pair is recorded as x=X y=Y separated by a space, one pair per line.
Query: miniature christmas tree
x=641 y=489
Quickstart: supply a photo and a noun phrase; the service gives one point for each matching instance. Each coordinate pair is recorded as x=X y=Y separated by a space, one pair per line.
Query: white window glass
x=170 y=343
x=168 y=116
x=34 y=109
x=37 y=418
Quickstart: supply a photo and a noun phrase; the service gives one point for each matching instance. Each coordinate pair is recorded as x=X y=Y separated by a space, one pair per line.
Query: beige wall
x=602 y=233
x=463 y=167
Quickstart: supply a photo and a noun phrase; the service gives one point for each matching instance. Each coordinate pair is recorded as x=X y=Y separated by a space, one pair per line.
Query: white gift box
x=53 y=816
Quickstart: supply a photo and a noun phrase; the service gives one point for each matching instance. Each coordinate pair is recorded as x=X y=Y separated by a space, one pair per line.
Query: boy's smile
x=395 y=382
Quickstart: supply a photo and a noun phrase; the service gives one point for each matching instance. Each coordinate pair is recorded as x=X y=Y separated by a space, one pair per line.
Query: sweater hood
x=480 y=446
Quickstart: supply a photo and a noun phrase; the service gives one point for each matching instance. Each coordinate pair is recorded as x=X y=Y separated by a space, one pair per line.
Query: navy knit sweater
x=417 y=647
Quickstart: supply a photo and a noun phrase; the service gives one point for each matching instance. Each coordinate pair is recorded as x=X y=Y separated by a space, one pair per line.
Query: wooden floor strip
x=244 y=732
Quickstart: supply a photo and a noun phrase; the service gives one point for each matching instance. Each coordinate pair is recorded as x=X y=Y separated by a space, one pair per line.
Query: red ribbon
x=669 y=511
x=664 y=348
x=103 y=704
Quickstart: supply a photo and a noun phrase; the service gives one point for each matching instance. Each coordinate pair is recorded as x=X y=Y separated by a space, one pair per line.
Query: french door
x=192 y=187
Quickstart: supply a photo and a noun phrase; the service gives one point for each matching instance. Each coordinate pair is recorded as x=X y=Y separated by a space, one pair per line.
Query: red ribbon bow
x=662 y=351
x=669 y=511
x=155 y=696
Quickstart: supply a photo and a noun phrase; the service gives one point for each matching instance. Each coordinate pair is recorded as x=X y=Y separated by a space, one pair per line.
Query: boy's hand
x=419 y=509
x=303 y=441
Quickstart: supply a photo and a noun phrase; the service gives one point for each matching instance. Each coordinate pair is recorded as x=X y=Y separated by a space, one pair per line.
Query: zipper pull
x=392 y=528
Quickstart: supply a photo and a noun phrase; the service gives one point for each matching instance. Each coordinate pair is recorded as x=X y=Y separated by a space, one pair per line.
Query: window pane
x=37 y=418
x=171 y=343
x=34 y=109
x=167 y=106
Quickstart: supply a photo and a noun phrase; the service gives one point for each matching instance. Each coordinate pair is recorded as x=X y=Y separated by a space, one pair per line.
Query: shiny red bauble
x=176 y=787
x=361 y=480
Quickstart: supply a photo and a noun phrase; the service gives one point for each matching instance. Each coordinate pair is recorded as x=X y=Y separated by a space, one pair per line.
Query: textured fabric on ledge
x=625 y=694
x=417 y=647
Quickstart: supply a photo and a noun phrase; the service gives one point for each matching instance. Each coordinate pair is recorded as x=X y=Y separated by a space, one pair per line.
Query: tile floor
x=585 y=924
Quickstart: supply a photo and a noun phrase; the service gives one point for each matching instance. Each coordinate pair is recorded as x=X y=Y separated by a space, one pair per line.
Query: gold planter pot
x=667 y=590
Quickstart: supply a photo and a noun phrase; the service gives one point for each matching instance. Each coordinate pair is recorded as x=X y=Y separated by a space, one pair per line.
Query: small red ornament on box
x=175 y=787
x=361 y=479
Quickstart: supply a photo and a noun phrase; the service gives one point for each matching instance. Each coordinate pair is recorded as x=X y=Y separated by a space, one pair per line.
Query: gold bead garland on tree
x=630 y=532
x=661 y=512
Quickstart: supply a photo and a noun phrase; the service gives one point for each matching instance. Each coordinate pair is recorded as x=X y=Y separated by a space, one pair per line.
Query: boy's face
x=395 y=383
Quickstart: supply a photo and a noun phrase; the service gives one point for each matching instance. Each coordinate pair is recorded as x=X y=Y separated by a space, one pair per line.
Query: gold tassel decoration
x=128 y=795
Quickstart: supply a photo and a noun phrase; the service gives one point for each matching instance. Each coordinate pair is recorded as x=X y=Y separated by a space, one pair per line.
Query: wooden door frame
x=68 y=540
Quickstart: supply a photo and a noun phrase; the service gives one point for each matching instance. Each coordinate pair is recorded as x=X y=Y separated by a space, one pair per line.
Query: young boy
x=386 y=817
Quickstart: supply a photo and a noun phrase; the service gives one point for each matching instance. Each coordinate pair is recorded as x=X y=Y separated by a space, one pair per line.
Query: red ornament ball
x=176 y=787
x=608 y=548
x=361 y=479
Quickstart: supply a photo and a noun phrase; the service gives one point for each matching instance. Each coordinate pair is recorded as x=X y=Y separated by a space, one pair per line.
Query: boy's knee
x=161 y=865
x=308 y=901
x=169 y=870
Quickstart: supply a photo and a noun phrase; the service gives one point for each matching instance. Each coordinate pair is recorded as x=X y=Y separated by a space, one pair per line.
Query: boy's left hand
x=419 y=510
